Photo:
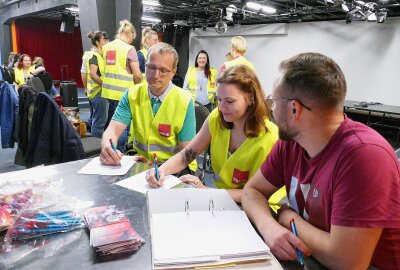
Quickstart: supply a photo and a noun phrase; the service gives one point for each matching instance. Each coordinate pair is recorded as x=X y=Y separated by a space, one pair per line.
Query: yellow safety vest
x=241 y=60
x=233 y=172
x=192 y=83
x=144 y=52
x=158 y=134
x=116 y=79
x=19 y=75
x=92 y=87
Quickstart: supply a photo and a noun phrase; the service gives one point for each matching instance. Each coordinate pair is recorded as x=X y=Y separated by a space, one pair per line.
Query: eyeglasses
x=272 y=102
x=153 y=68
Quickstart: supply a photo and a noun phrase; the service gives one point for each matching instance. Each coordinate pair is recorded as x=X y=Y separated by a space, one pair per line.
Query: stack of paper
x=96 y=167
x=111 y=231
x=202 y=236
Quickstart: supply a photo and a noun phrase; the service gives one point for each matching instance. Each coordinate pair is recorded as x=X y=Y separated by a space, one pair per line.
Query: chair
x=53 y=139
x=201 y=114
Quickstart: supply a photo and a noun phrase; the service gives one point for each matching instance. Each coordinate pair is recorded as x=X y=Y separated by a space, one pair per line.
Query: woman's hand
x=193 y=180
x=144 y=160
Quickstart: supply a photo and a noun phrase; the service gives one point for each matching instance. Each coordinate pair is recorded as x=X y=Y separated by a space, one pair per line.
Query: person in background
x=11 y=60
x=149 y=38
x=25 y=69
x=240 y=132
x=121 y=66
x=84 y=76
x=162 y=114
x=342 y=177
x=95 y=65
x=237 y=51
x=39 y=62
x=200 y=80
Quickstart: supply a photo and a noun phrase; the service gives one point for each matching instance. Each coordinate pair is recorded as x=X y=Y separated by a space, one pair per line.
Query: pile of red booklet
x=111 y=231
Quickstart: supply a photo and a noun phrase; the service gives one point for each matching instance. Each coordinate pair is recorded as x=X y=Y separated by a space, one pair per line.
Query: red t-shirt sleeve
x=365 y=189
x=272 y=168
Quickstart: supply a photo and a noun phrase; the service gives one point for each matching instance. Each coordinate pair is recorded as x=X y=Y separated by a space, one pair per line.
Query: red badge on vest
x=164 y=130
x=240 y=176
x=212 y=85
x=110 y=57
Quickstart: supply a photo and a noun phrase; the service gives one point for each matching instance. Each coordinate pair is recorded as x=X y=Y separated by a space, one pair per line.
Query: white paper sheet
x=95 y=167
x=202 y=235
x=138 y=182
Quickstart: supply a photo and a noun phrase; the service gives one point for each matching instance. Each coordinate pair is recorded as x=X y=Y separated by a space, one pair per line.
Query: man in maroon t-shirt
x=342 y=178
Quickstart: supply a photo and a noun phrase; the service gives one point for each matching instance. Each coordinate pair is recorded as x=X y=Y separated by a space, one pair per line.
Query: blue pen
x=294 y=231
x=113 y=146
x=156 y=166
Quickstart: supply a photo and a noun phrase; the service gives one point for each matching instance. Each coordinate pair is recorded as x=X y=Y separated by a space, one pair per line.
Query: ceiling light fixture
x=151 y=3
x=258 y=7
x=150 y=19
x=72 y=9
x=268 y=9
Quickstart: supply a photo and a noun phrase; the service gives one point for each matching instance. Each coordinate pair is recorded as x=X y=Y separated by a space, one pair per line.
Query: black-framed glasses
x=272 y=102
x=153 y=68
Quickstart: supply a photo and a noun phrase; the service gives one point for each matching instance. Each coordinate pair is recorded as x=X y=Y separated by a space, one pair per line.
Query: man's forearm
x=256 y=207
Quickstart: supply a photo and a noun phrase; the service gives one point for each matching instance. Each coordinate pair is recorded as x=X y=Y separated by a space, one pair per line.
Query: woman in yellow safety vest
x=95 y=66
x=237 y=51
x=149 y=38
x=25 y=69
x=200 y=80
x=121 y=66
x=240 y=132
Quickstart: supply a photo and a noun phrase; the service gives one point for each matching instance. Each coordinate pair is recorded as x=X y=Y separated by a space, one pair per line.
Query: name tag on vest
x=164 y=130
x=110 y=57
x=240 y=176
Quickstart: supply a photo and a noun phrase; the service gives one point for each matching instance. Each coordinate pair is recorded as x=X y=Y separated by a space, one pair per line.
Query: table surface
x=102 y=191
x=391 y=109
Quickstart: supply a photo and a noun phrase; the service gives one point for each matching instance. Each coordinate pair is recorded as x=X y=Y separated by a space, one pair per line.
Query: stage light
x=268 y=9
x=345 y=7
x=381 y=16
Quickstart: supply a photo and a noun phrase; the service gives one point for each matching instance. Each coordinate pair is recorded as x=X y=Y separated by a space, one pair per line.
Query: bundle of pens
x=111 y=231
x=33 y=224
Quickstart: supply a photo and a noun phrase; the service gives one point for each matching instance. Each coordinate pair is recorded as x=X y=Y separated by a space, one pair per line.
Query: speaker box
x=67 y=23
x=69 y=93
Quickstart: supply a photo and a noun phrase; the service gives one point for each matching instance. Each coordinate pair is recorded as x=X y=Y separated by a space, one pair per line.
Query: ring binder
x=211 y=206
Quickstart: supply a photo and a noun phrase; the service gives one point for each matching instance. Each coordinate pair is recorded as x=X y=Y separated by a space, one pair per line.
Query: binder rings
x=194 y=228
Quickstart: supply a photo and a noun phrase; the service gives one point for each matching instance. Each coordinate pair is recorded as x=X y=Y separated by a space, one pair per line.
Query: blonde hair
x=164 y=48
x=38 y=61
x=126 y=27
x=239 y=44
x=147 y=32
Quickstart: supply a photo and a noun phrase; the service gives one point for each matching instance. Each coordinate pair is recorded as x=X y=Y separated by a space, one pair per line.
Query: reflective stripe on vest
x=158 y=134
x=116 y=79
x=192 y=83
x=235 y=171
x=241 y=60
x=92 y=87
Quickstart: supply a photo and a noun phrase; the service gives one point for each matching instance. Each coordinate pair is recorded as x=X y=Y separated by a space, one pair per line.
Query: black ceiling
x=198 y=13
x=202 y=13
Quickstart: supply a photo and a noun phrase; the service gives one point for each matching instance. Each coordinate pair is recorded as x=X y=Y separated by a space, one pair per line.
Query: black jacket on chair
x=53 y=139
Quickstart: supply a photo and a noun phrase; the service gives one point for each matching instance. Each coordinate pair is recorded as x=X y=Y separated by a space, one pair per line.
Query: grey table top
x=382 y=108
x=100 y=189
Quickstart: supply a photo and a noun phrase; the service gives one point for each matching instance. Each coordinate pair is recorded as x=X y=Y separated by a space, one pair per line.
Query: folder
x=203 y=228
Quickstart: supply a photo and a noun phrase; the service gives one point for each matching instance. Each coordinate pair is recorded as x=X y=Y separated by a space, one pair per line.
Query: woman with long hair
x=149 y=38
x=240 y=132
x=200 y=80
x=25 y=69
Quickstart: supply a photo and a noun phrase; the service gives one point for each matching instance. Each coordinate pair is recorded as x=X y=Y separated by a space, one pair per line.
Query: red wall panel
x=60 y=51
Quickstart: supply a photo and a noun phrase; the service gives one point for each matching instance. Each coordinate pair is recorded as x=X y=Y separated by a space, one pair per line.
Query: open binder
x=196 y=228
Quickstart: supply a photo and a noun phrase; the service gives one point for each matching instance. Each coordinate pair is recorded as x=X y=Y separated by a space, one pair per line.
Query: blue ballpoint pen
x=156 y=166
x=113 y=146
x=294 y=231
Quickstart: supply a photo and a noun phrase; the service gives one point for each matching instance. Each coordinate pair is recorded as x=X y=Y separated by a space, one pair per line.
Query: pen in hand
x=113 y=147
x=294 y=231
x=156 y=166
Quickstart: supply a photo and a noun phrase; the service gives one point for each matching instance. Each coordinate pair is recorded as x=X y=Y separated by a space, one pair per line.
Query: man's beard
x=286 y=135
